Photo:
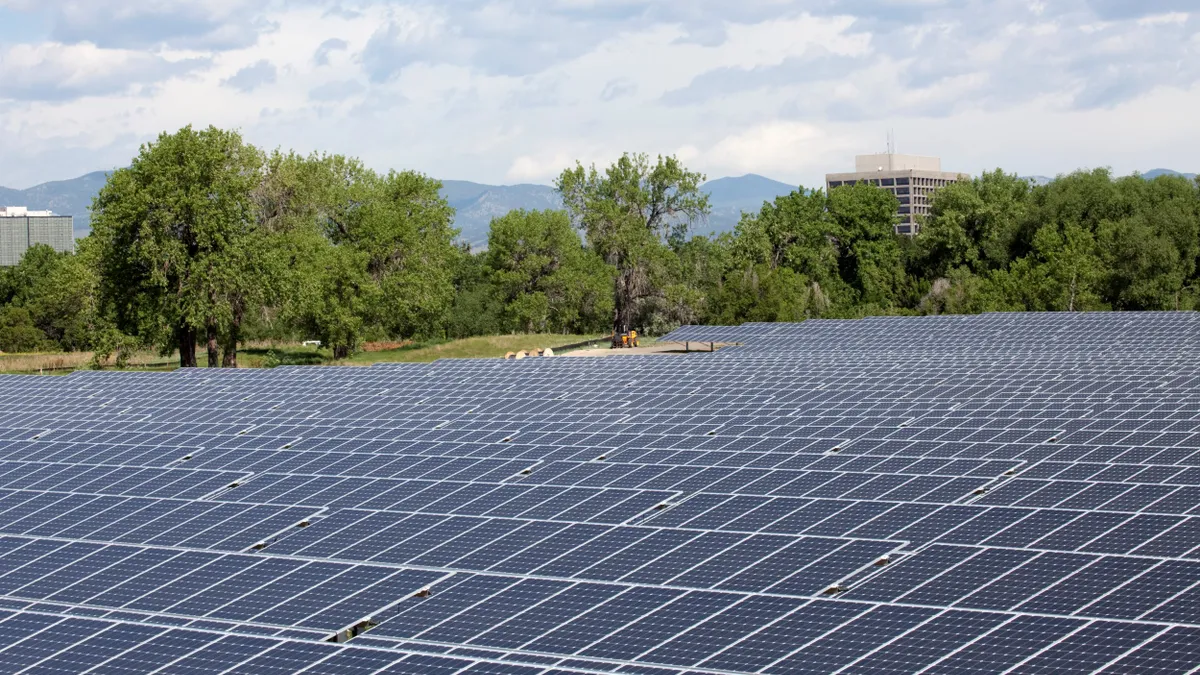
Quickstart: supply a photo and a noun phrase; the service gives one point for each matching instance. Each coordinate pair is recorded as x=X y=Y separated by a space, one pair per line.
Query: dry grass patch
x=65 y=362
x=492 y=346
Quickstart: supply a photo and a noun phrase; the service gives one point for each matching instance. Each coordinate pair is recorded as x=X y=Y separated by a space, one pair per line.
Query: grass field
x=493 y=346
x=262 y=355
x=66 y=362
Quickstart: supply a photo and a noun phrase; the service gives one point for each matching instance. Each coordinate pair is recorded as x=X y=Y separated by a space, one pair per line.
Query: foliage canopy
x=206 y=240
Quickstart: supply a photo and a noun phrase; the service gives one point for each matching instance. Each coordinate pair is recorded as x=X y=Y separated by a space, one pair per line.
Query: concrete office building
x=21 y=228
x=911 y=178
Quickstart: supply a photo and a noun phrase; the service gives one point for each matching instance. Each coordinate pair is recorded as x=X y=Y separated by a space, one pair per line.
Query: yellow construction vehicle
x=623 y=340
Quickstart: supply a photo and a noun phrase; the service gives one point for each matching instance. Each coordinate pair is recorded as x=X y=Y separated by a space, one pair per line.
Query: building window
x=903 y=200
x=887 y=181
x=902 y=181
x=904 y=228
x=902 y=191
x=903 y=210
x=835 y=183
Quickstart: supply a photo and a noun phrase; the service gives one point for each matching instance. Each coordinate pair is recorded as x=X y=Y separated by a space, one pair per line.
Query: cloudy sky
x=514 y=91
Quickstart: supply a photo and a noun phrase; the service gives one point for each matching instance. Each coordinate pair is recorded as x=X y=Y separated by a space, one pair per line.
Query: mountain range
x=1149 y=175
x=475 y=203
x=69 y=197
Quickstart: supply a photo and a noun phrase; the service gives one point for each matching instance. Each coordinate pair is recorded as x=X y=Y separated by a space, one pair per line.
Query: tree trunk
x=341 y=351
x=1071 y=300
x=187 y=346
x=229 y=356
x=623 y=303
x=229 y=353
x=213 y=354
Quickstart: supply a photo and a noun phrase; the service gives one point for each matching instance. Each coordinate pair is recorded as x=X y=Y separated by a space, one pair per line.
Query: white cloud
x=1179 y=18
x=776 y=147
x=687 y=153
x=253 y=76
x=545 y=167
x=494 y=91
x=52 y=71
x=178 y=23
x=526 y=169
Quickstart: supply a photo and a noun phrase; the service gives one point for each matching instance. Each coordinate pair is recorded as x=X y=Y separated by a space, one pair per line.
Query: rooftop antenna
x=891 y=142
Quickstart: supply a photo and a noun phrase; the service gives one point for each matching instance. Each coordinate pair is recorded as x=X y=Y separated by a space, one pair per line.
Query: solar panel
x=986 y=494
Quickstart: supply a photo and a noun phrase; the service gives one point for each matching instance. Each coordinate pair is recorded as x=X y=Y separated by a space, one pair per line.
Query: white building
x=21 y=228
x=22 y=212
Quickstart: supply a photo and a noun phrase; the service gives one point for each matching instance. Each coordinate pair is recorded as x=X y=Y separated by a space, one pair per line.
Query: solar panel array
x=985 y=494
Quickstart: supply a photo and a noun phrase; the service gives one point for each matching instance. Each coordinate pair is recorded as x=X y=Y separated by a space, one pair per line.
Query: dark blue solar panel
x=944 y=494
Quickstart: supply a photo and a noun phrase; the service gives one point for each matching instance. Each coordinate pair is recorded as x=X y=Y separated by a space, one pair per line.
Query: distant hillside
x=730 y=197
x=1149 y=175
x=1155 y=173
x=66 y=197
x=475 y=203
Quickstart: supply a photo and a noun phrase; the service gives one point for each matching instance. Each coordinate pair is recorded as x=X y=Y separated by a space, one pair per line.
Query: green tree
x=58 y=293
x=1067 y=272
x=973 y=224
x=402 y=226
x=629 y=213
x=352 y=252
x=18 y=332
x=1086 y=198
x=475 y=310
x=334 y=299
x=19 y=283
x=64 y=302
x=318 y=283
x=166 y=228
x=871 y=257
x=703 y=262
x=795 y=232
x=762 y=293
x=544 y=277
x=293 y=195
x=1150 y=257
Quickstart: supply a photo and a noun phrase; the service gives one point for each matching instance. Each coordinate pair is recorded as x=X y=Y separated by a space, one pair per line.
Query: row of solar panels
x=997 y=491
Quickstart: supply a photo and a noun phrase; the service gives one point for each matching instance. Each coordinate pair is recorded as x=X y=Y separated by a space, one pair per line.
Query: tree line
x=205 y=242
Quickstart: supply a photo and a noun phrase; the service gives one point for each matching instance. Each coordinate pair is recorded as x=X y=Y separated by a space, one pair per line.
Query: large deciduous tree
x=871 y=254
x=973 y=224
x=786 y=261
x=357 y=252
x=1150 y=256
x=544 y=277
x=406 y=232
x=316 y=286
x=170 y=231
x=629 y=214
